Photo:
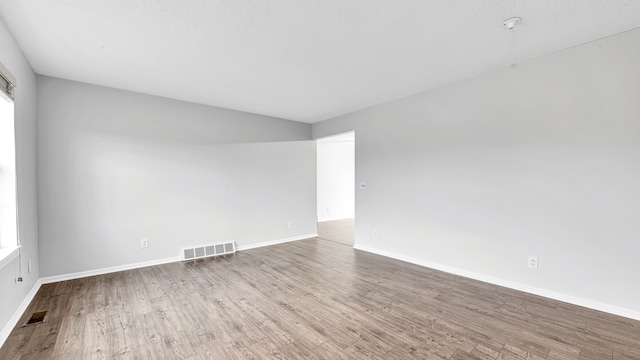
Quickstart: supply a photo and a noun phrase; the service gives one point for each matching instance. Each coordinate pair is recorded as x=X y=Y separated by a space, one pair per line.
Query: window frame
x=8 y=252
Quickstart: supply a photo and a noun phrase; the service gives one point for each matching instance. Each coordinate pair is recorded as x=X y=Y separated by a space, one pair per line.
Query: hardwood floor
x=340 y=231
x=310 y=299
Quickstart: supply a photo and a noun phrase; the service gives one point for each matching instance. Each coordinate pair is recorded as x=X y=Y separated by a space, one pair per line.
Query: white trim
x=275 y=242
x=8 y=254
x=82 y=274
x=6 y=331
x=611 y=309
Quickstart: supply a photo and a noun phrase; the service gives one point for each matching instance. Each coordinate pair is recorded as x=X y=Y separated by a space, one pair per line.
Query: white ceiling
x=303 y=60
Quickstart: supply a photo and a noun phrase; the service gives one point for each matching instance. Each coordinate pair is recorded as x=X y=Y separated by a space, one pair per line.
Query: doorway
x=336 y=188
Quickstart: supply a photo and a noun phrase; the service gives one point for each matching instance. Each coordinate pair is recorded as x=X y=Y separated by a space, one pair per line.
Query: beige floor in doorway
x=339 y=231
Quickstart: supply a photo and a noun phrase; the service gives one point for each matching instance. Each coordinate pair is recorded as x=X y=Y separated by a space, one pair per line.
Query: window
x=8 y=199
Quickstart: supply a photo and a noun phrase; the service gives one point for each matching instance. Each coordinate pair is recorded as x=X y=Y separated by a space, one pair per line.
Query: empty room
x=320 y=179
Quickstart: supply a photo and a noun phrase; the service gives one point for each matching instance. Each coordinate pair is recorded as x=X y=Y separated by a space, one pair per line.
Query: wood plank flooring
x=309 y=299
x=340 y=231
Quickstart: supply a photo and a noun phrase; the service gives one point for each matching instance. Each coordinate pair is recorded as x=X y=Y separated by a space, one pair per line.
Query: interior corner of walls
x=308 y=130
x=332 y=126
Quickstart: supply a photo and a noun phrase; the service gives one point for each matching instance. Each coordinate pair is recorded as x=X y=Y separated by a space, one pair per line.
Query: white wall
x=116 y=167
x=540 y=159
x=336 y=177
x=12 y=293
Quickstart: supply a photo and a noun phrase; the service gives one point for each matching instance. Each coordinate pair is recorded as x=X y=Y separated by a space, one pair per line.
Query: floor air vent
x=208 y=250
x=36 y=318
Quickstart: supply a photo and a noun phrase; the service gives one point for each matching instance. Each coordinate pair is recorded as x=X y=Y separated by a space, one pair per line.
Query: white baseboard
x=615 y=310
x=6 y=331
x=82 y=274
x=274 y=242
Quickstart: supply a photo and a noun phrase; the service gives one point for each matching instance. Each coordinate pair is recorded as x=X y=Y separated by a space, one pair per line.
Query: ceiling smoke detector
x=511 y=23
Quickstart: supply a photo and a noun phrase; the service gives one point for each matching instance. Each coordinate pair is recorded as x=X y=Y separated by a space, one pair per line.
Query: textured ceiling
x=303 y=60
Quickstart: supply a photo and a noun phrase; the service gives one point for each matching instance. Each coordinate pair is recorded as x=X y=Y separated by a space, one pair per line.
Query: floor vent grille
x=208 y=251
x=36 y=318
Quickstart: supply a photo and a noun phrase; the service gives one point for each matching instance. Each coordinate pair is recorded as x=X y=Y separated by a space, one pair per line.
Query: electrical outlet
x=363 y=186
x=144 y=243
x=289 y=224
x=533 y=262
x=29 y=266
x=375 y=232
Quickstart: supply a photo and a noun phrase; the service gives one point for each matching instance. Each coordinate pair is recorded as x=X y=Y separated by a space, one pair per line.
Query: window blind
x=7 y=82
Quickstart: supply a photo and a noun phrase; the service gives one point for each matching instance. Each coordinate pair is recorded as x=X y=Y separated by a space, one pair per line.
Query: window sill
x=8 y=254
